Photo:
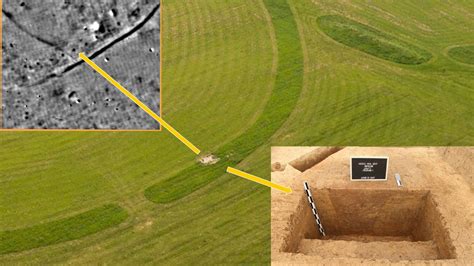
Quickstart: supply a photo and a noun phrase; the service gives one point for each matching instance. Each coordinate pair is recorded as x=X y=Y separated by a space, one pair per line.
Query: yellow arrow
x=173 y=131
x=139 y=103
x=257 y=179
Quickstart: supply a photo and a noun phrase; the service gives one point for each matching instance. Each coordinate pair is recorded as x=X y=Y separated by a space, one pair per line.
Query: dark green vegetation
x=66 y=229
x=219 y=73
x=285 y=93
x=463 y=54
x=372 y=41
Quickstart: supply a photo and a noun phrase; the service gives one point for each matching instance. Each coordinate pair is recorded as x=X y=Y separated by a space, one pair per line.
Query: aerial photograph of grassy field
x=237 y=77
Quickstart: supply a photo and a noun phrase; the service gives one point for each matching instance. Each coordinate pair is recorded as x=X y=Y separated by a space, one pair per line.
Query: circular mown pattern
x=214 y=66
x=372 y=41
x=284 y=96
x=463 y=54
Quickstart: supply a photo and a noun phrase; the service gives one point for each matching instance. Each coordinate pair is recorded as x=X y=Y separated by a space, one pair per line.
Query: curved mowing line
x=62 y=230
x=288 y=83
x=372 y=41
x=463 y=54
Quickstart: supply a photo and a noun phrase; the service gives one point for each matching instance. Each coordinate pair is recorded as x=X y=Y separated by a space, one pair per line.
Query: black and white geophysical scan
x=47 y=86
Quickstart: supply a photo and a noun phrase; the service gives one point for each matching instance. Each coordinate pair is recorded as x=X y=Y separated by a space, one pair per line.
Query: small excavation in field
x=423 y=221
x=208 y=159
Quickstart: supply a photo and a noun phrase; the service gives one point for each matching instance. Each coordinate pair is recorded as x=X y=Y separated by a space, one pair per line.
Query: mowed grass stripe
x=463 y=54
x=372 y=41
x=404 y=104
x=282 y=101
x=62 y=230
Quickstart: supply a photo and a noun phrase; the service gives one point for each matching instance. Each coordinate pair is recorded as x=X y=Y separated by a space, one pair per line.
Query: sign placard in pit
x=369 y=168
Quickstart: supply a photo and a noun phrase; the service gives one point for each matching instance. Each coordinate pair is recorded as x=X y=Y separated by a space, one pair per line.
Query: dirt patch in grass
x=208 y=159
x=62 y=230
x=372 y=41
x=463 y=54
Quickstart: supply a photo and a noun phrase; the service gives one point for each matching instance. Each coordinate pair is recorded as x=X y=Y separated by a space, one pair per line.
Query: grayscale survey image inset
x=372 y=205
x=47 y=86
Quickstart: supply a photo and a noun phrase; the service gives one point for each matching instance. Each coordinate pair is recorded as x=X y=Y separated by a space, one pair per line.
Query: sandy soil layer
x=287 y=154
x=371 y=250
x=428 y=220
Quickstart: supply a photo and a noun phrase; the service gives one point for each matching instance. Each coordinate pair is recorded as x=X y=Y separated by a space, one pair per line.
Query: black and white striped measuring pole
x=313 y=209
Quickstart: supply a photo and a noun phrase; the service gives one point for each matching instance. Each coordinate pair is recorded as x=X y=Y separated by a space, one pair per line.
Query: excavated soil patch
x=371 y=224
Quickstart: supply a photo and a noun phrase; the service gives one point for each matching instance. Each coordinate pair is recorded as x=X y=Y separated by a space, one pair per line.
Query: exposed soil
x=310 y=159
x=370 y=250
x=428 y=219
x=460 y=159
x=209 y=159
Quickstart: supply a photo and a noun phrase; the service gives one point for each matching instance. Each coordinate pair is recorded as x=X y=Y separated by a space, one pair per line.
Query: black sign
x=369 y=168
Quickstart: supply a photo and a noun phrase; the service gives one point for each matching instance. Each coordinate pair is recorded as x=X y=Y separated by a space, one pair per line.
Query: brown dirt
x=278 y=166
x=462 y=160
x=429 y=220
x=208 y=159
x=312 y=158
x=287 y=154
x=370 y=250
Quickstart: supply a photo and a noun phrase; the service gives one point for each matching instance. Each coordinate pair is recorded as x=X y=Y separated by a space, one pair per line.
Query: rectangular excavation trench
x=371 y=224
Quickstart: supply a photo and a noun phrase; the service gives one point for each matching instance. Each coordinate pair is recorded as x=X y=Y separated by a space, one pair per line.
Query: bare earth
x=427 y=221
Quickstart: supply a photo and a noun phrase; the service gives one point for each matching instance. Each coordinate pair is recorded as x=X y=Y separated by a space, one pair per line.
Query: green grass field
x=62 y=230
x=282 y=101
x=464 y=54
x=372 y=41
x=238 y=77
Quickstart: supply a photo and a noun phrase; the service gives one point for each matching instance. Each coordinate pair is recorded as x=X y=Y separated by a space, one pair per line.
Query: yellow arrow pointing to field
x=257 y=179
x=139 y=103
x=173 y=131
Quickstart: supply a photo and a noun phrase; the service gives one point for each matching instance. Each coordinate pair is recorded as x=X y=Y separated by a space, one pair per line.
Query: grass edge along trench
x=372 y=41
x=62 y=230
x=288 y=84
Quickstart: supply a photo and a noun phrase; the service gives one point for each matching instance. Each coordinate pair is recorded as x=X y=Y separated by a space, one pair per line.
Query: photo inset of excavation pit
x=371 y=224
x=426 y=218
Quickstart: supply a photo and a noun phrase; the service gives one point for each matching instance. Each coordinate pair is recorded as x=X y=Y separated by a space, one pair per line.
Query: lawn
x=238 y=77
x=282 y=101
x=464 y=54
x=372 y=41
x=61 y=230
